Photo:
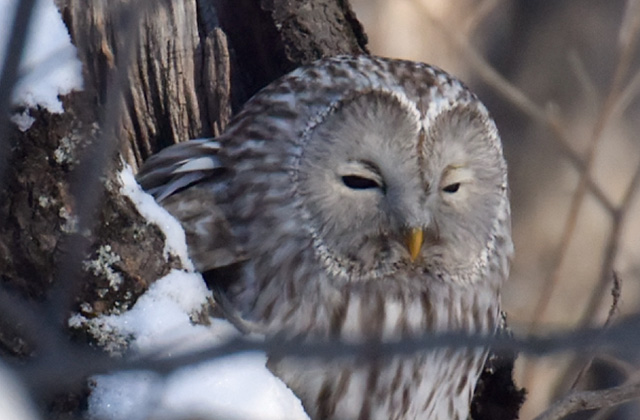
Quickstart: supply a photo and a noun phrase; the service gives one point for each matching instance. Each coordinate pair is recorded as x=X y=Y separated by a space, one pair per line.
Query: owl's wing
x=185 y=179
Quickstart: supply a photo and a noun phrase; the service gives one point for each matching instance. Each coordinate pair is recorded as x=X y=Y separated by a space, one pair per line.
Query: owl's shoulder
x=185 y=179
x=180 y=166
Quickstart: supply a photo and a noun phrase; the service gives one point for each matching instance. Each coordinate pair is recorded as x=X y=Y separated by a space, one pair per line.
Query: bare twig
x=86 y=185
x=612 y=248
x=616 y=101
x=65 y=369
x=628 y=95
x=516 y=97
x=477 y=15
x=9 y=76
x=17 y=312
x=607 y=111
x=613 y=310
x=589 y=400
x=571 y=155
x=582 y=187
x=582 y=75
x=616 y=292
x=628 y=34
x=486 y=71
x=626 y=368
x=605 y=412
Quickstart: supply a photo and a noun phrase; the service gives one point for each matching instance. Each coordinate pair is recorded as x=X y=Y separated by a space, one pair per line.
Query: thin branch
x=582 y=75
x=590 y=400
x=616 y=293
x=486 y=71
x=613 y=311
x=616 y=99
x=572 y=156
x=626 y=368
x=605 y=412
x=628 y=35
x=477 y=15
x=86 y=182
x=516 y=97
x=550 y=283
x=17 y=312
x=612 y=248
x=628 y=95
x=72 y=364
x=9 y=76
x=581 y=189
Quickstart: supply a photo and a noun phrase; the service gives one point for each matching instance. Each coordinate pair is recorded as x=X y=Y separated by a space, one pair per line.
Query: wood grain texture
x=170 y=70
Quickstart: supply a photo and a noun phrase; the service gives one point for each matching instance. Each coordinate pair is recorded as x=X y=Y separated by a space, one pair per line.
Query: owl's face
x=362 y=167
x=385 y=187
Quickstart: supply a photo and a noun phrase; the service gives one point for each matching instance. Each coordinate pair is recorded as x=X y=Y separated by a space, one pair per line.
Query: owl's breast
x=434 y=384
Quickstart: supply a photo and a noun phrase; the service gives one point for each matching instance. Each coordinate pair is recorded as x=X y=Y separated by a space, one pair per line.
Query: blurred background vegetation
x=562 y=80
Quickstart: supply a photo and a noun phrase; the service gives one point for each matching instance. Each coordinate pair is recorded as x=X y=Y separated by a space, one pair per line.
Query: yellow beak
x=415 y=237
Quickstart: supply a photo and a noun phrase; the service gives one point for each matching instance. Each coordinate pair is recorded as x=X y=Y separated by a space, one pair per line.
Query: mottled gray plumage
x=361 y=197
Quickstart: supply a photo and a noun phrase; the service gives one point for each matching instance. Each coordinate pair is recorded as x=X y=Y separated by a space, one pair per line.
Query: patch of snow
x=238 y=387
x=49 y=65
x=23 y=120
x=232 y=387
x=14 y=404
x=126 y=395
x=175 y=242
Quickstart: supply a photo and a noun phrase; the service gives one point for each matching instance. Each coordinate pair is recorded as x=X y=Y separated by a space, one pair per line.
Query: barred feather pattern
x=319 y=259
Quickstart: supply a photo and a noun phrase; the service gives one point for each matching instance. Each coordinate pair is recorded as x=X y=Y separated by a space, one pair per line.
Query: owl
x=357 y=198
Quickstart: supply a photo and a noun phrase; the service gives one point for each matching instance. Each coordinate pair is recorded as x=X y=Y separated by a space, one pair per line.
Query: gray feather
x=184 y=179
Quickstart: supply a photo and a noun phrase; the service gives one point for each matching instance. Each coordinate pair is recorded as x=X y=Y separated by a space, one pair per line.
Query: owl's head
x=373 y=166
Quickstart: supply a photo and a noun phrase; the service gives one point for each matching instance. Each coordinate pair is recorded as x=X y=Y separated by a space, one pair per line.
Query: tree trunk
x=156 y=73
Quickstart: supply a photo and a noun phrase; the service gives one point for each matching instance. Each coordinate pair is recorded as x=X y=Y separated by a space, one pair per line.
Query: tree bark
x=193 y=63
x=155 y=73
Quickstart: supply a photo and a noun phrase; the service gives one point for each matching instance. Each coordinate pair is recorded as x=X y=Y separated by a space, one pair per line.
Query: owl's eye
x=451 y=188
x=357 y=182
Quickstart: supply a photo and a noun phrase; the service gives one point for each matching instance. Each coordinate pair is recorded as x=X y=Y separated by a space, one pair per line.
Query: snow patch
x=49 y=65
x=239 y=387
x=232 y=387
x=14 y=404
x=23 y=120
x=175 y=242
x=126 y=395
